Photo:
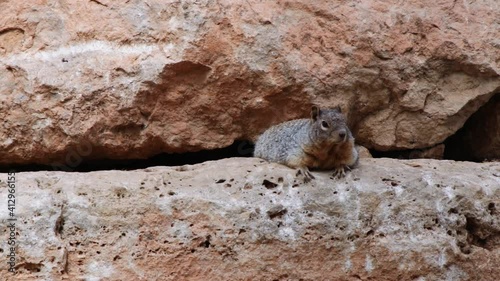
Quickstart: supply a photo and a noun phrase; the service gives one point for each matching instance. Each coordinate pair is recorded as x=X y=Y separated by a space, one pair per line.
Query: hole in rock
x=478 y=140
x=269 y=184
x=30 y=267
x=237 y=149
x=491 y=208
x=481 y=235
x=206 y=243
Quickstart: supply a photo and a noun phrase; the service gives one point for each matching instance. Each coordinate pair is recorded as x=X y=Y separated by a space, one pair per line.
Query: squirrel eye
x=324 y=124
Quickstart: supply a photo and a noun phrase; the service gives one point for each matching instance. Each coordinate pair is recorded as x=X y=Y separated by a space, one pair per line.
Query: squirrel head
x=328 y=125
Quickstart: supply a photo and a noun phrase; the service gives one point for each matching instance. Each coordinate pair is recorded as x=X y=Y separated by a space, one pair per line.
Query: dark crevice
x=435 y=152
x=477 y=140
x=396 y=154
x=59 y=226
x=237 y=149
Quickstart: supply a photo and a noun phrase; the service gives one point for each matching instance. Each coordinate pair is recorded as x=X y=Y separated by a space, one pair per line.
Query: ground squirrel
x=322 y=142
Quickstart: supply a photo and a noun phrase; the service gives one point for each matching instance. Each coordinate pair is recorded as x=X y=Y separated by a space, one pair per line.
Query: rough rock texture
x=132 y=79
x=364 y=152
x=243 y=219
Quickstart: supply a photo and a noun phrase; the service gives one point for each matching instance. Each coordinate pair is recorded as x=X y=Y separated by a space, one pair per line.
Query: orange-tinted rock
x=136 y=79
x=364 y=152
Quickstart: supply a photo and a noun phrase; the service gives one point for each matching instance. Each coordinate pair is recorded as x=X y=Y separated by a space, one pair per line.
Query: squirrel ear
x=315 y=112
x=338 y=108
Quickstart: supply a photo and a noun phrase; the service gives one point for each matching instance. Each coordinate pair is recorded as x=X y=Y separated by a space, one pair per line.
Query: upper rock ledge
x=132 y=79
x=244 y=219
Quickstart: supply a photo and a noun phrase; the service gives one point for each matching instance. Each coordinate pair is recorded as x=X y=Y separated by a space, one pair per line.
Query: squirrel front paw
x=339 y=172
x=306 y=173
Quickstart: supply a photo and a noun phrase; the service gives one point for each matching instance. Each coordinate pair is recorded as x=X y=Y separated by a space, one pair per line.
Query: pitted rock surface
x=245 y=219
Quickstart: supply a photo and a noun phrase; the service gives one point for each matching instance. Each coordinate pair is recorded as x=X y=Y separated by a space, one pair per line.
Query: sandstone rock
x=133 y=79
x=387 y=220
x=364 y=152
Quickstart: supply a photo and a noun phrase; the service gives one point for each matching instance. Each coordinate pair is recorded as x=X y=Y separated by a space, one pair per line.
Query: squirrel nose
x=342 y=134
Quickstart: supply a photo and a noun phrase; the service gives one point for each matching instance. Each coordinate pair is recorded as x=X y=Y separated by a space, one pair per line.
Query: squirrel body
x=322 y=142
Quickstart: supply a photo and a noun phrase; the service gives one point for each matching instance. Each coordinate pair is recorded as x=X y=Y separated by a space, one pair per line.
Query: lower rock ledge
x=245 y=219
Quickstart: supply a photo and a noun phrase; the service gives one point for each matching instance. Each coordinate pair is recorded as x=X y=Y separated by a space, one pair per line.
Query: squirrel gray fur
x=322 y=142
